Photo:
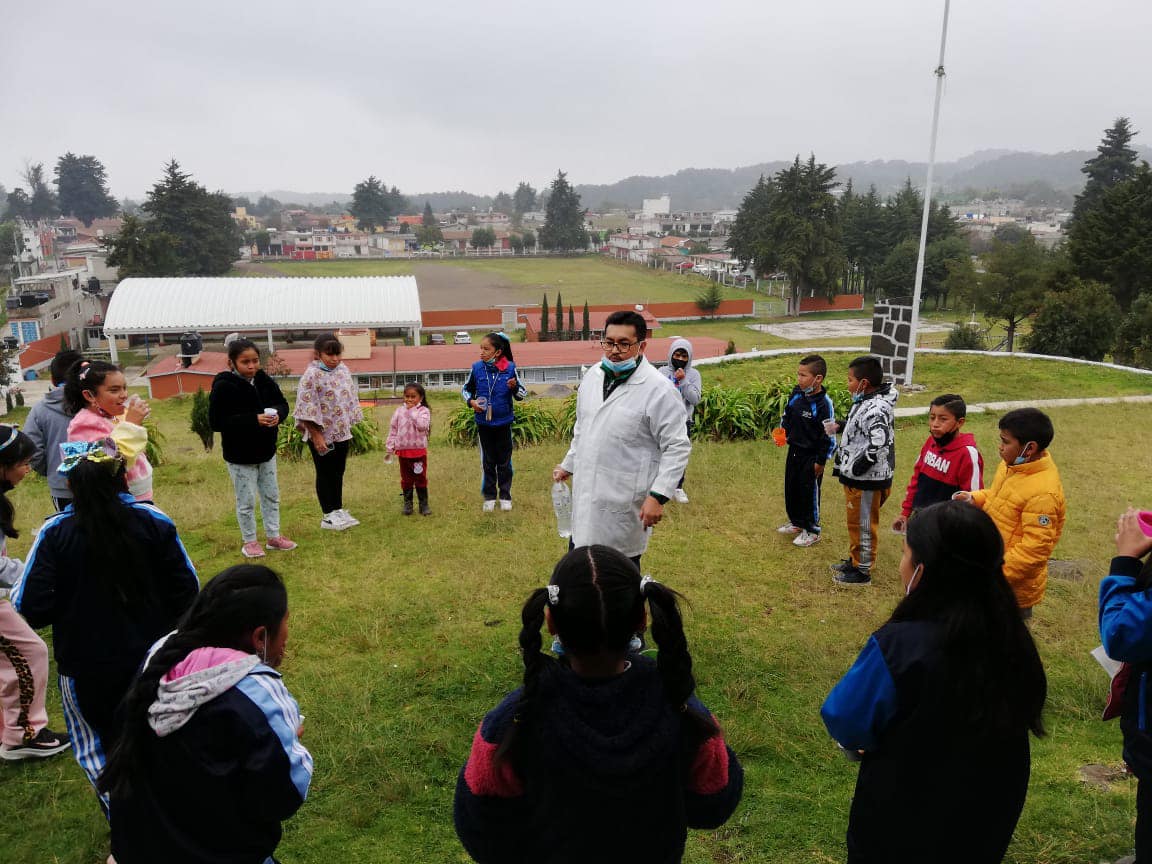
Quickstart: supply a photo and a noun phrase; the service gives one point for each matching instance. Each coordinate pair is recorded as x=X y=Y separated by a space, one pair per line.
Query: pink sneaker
x=281 y=544
x=252 y=550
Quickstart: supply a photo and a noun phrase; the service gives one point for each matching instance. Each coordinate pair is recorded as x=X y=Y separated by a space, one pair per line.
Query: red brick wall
x=840 y=303
x=462 y=318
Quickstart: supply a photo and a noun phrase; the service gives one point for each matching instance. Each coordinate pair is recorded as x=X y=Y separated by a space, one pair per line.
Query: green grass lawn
x=403 y=634
x=593 y=278
x=976 y=377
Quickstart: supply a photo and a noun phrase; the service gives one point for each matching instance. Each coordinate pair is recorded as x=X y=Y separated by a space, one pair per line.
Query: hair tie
x=553 y=595
x=645 y=581
x=12 y=437
x=85 y=366
x=72 y=453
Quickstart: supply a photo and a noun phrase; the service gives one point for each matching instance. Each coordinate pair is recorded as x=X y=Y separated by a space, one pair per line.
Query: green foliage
x=585 y=324
x=154 y=451
x=374 y=204
x=564 y=218
x=544 y=319
x=710 y=298
x=1112 y=241
x=483 y=238
x=502 y=203
x=39 y=202
x=1013 y=284
x=523 y=199
x=82 y=187
x=366 y=438
x=791 y=223
x=964 y=337
x=533 y=423
x=199 y=420
x=1115 y=162
x=516 y=243
x=750 y=412
x=566 y=422
x=529 y=240
x=1080 y=322
x=559 y=316
x=1134 y=338
x=139 y=250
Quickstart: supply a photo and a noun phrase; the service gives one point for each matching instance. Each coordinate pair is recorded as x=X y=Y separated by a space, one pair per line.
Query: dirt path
x=443 y=286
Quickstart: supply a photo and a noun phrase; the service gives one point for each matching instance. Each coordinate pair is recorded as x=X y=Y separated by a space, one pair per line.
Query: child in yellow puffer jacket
x=1026 y=501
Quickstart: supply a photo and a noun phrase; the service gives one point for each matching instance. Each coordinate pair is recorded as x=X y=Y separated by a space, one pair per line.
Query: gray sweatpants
x=250 y=481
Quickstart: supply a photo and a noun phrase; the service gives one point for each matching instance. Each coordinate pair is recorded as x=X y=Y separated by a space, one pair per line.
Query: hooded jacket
x=233 y=406
x=222 y=766
x=608 y=773
x=623 y=447
x=867 y=457
x=803 y=422
x=944 y=469
x=690 y=386
x=1125 y=613
x=1027 y=504
x=47 y=426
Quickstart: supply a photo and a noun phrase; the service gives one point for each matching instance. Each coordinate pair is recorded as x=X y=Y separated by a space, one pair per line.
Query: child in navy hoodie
x=809 y=448
x=949 y=461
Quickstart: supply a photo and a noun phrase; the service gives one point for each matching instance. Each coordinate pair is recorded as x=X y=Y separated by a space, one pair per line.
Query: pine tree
x=1113 y=163
x=559 y=316
x=544 y=319
x=571 y=323
x=564 y=219
x=82 y=188
x=586 y=327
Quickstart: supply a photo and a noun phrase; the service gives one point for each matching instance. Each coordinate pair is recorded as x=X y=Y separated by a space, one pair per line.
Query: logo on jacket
x=1045 y=521
x=935 y=460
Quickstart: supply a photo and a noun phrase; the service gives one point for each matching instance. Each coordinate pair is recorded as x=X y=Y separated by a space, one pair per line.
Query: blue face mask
x=617 y=368
x=327 y=367
x=1021 y=459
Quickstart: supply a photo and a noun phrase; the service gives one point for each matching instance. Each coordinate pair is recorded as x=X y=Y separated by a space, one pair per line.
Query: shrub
x=154 y=451
x=1080 y=322
x=532 y=424
x=964 y=337
x=200 y=424
x=366 y=438
x=1134 y=337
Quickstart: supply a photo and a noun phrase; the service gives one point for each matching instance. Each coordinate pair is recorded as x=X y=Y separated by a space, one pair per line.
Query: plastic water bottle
x=562 y=504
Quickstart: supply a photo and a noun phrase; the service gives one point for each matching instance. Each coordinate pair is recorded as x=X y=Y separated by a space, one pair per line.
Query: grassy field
x=403 y=635
x=594 y=279
x=976 y=377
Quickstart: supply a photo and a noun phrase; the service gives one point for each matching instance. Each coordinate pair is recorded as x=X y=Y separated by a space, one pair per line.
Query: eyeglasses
x=612 y=347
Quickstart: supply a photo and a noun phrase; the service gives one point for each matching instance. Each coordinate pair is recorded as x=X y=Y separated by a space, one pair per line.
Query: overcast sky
x=253 y=95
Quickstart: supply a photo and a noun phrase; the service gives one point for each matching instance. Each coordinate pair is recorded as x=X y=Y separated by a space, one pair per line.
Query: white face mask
x=916 y=574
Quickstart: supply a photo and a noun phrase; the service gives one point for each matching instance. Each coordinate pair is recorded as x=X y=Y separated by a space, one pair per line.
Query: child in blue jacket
x=490 y=391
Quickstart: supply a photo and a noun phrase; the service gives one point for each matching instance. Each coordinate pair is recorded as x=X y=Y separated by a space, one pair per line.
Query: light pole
x=939 y=73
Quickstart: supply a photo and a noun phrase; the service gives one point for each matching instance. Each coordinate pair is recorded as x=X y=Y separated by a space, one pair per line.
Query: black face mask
x=679 y=364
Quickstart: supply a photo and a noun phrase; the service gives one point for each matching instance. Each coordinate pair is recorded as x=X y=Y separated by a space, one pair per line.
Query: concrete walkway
x=980 y=408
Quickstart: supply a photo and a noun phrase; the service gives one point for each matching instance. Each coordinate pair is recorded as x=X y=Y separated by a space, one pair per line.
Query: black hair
x=224 y=614
x=419 y=388
x=61 y=363
x=993 y=682
x=238 y=346
x=85 y=375
x=952 y=403
x=628 y=318
x=21 y=449
x=816 y=364
x=500 y=343
x=1029 y=424
x=327 y=343
x=598 y=608
x=868 y=368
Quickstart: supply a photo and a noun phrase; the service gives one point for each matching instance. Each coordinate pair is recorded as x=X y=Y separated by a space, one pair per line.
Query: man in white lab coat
x=630 y=446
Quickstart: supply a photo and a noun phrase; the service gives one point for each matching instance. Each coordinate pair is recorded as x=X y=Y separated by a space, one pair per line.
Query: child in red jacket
x=949 y=461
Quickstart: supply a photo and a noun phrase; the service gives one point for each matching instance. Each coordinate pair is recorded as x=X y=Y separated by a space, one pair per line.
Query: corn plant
x=532 y=423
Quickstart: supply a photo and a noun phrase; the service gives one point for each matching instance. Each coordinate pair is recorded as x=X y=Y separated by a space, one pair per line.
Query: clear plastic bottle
x=562 y=504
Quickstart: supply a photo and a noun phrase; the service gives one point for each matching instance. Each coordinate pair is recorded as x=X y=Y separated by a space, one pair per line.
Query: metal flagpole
x=939 y=73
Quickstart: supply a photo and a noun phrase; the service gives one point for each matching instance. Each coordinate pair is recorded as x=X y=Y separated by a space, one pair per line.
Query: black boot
x=423 y=496
x=407 y=502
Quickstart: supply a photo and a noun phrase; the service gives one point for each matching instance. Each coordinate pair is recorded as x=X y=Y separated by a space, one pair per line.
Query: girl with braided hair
x=938 y=706
x=110 y=575
x=209 y=762
x=598 y=733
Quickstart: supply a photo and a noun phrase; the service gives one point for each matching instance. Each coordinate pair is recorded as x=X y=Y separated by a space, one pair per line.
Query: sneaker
x=636 y=643
x=46 y=743
x=557 y=647
x=280 y=544
x=349 y=519
x=489 y=506
x=252 y=549
x=843 y=566
x=333 y=522
x=680 y=496
x=806 y=538
x=853 y=576
x=505 y=504
x=788 y=528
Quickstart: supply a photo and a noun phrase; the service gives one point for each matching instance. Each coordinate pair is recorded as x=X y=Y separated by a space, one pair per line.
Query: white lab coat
x=623 y=448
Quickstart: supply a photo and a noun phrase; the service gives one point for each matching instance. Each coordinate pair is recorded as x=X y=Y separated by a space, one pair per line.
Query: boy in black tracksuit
x=809 y=448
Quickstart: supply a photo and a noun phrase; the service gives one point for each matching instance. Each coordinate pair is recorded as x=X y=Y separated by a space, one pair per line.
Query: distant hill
x=725 y=188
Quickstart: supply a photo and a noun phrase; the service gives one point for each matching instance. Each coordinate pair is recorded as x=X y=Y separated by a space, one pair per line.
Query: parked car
x=462 y=337
x=436 y=339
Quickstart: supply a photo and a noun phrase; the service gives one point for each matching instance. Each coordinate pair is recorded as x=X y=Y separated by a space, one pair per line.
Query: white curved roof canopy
x=147 y=305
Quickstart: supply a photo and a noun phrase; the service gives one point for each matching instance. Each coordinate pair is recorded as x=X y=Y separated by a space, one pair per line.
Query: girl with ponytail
x=209 y=762
x=597 y=733
x=939 y=704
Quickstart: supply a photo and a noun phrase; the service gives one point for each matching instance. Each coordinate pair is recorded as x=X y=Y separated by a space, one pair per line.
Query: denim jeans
x=248 y=481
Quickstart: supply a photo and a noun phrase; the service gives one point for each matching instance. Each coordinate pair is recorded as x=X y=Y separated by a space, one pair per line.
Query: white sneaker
x=333 y=522
x=806 y=538
x=680 y=496
x=505 y=505
x=348 y=518
x=788 y=528
x=489 y=506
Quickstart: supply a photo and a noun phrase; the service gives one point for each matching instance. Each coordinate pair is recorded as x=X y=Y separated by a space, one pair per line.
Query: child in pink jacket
x=408 y=439
x=97 y=393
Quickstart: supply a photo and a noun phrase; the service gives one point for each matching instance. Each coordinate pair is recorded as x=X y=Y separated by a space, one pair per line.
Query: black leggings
x=330 y=475
x=496 y=461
